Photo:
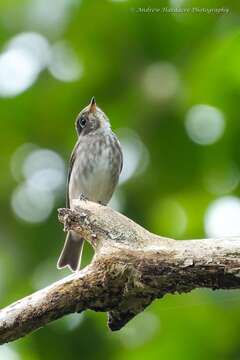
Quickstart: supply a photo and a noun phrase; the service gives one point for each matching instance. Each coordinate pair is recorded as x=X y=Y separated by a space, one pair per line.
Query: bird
x=94 y=169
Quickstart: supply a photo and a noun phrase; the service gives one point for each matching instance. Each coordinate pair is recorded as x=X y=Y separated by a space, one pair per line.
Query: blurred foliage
x=197 y=62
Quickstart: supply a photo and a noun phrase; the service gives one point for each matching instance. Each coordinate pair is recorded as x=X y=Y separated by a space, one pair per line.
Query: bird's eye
x=83 y=122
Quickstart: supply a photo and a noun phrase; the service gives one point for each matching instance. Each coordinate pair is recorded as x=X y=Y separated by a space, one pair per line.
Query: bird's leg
x=83 y=197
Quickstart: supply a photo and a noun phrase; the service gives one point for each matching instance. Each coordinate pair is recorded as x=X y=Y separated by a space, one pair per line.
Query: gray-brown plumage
x=95 y=166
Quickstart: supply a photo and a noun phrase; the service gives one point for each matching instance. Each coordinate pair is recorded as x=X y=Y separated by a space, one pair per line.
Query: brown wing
x=117 y=143
x=121 y=157
x=71 y=163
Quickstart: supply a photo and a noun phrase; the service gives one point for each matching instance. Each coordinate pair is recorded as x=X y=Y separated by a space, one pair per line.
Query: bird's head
x=90 y=119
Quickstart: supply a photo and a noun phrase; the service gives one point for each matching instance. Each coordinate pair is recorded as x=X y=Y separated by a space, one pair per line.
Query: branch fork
x=131 y=267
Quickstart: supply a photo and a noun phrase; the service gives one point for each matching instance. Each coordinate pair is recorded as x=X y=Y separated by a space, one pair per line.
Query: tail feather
x=71 y=253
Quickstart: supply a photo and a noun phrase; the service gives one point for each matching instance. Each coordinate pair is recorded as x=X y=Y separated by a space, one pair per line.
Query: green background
x=146 y=70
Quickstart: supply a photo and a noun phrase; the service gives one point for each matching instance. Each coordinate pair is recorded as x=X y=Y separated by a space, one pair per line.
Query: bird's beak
x=92 y=105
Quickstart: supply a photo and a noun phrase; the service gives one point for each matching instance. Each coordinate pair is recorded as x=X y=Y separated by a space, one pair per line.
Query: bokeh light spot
x=7 y=353
x=64 y=64
x=222 y=217
x=50 y=16
x=18 y=159
x=135 y=154
x=30 y=205
x=204 y=124
x=117 y=202
x=43 y=174
x=18 y=71
x=44 y=169
x=161 y=81
x=73 y=321
x=176 y=3
x=34 y=44
x=223 y=179
x=24 y=57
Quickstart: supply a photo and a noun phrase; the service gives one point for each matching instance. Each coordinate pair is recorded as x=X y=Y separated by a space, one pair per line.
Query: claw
x=83 y=197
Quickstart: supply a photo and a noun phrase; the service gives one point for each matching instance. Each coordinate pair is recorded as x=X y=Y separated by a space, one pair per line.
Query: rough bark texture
x=130 y=269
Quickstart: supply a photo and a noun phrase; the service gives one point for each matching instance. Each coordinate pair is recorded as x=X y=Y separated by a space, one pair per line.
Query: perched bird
x=95 y=166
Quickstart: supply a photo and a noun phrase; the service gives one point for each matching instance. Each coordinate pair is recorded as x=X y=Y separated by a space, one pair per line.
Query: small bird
x=94 y=169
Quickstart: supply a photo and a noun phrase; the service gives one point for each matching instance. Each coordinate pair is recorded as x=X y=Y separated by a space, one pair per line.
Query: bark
x=130 y=269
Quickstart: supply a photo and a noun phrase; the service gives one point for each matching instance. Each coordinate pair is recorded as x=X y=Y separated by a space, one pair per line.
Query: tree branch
x=130 y=269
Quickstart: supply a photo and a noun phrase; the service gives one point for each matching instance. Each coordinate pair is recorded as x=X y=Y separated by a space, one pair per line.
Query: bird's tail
x=71 y=253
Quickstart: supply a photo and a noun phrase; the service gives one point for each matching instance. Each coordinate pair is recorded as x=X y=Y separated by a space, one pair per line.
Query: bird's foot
x=83 y=197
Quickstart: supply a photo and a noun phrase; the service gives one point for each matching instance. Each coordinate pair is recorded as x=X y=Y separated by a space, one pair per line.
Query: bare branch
x=130 y=269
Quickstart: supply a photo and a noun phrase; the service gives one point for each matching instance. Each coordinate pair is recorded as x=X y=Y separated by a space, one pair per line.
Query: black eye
x=83 y=122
